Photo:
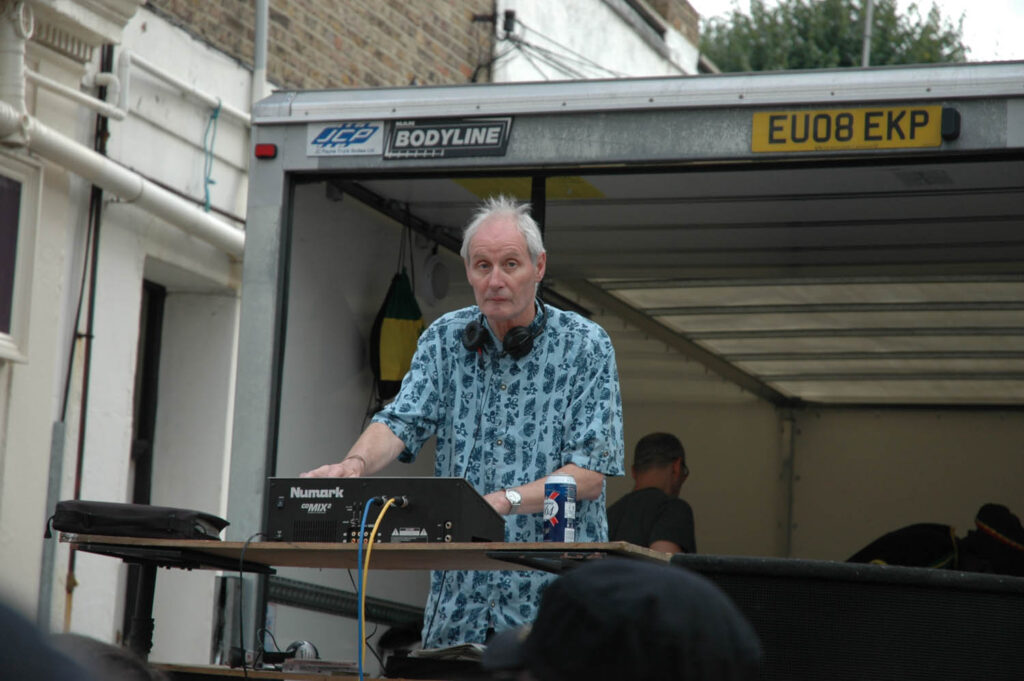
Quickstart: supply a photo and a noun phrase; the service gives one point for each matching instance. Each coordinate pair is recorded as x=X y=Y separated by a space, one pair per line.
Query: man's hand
x=589 y=485
x=499 y=502
x=666 y=546
x=375 y=448
x=350 y=467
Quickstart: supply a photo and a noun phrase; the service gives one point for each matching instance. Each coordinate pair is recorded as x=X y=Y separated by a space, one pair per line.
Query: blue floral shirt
x=501 y=423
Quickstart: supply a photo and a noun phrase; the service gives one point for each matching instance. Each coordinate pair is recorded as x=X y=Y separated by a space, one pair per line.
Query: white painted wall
x=194 y=401
x=109 y=426
x=164 y=136
x=863 y=473
x=343 y=257
x=197 y=361
x=32 y=403
x=588 y=37
x=163 y=139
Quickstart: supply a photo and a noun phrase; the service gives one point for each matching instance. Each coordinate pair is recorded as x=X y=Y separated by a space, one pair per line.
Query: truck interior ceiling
x=891 y=281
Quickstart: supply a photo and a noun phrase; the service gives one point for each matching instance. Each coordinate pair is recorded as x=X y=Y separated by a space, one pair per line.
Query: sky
x=992 y=28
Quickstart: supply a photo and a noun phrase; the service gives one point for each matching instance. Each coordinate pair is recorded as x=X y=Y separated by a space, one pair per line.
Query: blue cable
x=359 y=584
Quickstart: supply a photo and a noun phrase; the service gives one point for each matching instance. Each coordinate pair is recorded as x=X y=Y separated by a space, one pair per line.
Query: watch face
x=513 y=497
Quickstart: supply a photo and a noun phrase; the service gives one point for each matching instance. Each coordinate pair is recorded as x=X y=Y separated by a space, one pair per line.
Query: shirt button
x=493 y=604
x=504 y=387
x=500 y=442
x=604 y=453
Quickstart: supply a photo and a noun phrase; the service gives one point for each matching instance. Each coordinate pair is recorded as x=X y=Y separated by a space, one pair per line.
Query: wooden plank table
x=263 y=556
x=209 y=672
x=201 y=672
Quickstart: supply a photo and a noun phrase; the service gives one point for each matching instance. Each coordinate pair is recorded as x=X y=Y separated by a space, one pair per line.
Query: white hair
x=520 y=212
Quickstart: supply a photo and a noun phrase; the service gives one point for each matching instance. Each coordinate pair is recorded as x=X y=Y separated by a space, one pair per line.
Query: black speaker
x=831 y=621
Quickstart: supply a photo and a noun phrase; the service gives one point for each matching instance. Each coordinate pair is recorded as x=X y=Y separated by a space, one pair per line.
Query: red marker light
x=266 y=151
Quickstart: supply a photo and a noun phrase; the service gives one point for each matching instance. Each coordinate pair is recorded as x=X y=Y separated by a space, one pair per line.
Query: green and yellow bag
x=393 y=337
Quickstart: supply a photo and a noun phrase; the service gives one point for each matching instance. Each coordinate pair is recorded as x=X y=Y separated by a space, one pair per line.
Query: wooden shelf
x=426 y=556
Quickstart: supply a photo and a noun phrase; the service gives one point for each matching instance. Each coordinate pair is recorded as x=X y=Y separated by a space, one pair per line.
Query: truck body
x=814 y=279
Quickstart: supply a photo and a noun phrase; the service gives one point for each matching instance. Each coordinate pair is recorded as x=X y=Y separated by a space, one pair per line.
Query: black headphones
x=518 y=340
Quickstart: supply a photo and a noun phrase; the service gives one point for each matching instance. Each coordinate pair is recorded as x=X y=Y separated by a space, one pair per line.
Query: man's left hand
x=498 y=502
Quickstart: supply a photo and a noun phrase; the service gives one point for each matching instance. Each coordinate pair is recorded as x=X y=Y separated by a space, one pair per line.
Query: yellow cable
x=366 y=570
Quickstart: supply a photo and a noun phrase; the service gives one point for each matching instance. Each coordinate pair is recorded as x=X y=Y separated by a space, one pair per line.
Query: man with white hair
x=514 y=390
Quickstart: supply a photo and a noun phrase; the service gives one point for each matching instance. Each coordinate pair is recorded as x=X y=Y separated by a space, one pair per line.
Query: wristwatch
x=514 y=498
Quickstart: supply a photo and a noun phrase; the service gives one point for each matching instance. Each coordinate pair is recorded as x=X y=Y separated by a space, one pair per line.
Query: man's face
x=503 y=277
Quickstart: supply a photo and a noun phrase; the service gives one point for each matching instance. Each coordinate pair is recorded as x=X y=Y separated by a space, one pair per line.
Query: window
x=20 y=181
x=10 y=206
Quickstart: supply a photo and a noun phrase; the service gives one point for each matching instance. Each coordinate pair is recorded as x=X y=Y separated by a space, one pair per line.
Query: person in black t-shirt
x=653 y=515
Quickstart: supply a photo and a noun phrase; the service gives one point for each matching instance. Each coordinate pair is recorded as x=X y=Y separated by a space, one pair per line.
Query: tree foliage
x=812 y=34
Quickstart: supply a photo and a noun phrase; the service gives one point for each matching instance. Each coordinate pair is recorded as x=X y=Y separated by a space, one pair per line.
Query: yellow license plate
x=897 y=127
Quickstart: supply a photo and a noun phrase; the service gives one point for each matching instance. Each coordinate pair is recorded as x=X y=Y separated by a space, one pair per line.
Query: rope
x=211 y=125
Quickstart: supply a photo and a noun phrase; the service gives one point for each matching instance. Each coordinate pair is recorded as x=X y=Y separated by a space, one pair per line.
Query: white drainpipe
x=134 y=188
x=16 y=26
x=259 y=52
x=19 y=129
x=97 y=105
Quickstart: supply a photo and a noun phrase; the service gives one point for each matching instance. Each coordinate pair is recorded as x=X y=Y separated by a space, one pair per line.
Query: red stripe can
x=560 y=508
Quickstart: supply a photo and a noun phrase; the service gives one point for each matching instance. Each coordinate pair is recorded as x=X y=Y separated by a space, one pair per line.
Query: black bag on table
x=133 y=520
x=919 y=545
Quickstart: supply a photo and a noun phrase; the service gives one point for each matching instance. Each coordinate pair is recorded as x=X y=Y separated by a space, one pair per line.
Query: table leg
x=140 y=632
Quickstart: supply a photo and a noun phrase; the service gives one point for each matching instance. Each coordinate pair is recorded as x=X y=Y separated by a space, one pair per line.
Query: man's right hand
x=350 y=467
x=375 y=449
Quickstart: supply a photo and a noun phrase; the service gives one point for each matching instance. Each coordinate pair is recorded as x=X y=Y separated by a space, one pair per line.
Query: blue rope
x=211 y=124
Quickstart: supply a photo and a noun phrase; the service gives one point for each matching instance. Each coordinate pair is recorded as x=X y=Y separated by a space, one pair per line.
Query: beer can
x=560 y=508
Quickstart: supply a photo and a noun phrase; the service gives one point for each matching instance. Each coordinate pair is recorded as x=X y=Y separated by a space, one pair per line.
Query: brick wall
x=347 y=43
x=681 y=16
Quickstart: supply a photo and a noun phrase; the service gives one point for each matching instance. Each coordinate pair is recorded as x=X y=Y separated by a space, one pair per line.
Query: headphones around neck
x=518 y=340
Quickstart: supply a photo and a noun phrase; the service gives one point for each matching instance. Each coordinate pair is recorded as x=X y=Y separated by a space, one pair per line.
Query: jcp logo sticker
x=358 y=138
